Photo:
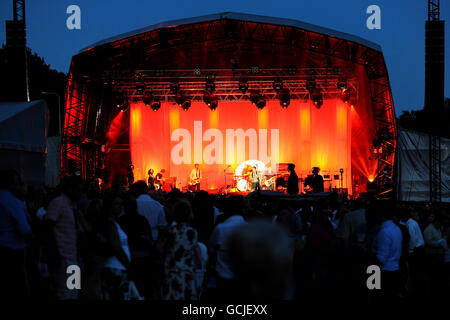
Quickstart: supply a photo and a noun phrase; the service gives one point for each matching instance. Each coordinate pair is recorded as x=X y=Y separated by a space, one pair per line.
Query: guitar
x=194 y=182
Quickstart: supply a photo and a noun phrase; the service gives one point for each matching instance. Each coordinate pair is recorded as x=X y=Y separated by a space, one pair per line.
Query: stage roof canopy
x=242 y=17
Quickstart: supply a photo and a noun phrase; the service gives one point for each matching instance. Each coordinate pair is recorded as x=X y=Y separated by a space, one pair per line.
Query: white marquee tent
x=23 y=139
x=413 y=165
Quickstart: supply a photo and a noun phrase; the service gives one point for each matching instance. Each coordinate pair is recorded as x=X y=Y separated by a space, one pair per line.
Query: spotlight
x=285 y=98
x=210 y=85
x=156 y=105
x=310 y=85
x=118 y=98
x=277 y=85
x=147 y=98
x=211 y=100
x=213 y=105
x=140 y=87
x=258 y=99
x=186 y=105
x=174 y=87
x=341 y=84
x=261 y=104
x=180 y=99
x=317 y=99
x=243 y=85
x=348 y=96
x=124 y=106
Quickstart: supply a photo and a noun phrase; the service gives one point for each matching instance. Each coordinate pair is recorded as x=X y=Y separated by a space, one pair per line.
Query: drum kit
x=243 y=183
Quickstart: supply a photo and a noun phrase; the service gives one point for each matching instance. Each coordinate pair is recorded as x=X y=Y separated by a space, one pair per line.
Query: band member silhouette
x=315 y=183
x=255 y=179
x=159 y=180
x=292 y=184
x=195 y=177
x=151 y=180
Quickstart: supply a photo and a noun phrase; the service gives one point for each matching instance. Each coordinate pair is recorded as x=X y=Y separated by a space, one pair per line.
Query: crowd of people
x=137 y=244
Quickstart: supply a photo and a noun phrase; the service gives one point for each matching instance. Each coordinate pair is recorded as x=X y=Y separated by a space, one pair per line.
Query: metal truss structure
x=385 y=142
x=227 y=81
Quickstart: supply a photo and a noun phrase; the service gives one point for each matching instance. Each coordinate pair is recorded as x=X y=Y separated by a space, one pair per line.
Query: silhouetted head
x=182 y=211
x=139 y=187
x=72 y=187
x=261 y=259
x=11 y=180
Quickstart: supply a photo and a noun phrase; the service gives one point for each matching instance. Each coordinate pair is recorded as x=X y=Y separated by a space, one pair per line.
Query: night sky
x=402 y=34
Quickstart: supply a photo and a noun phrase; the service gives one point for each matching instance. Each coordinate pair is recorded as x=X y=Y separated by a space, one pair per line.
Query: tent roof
x=242 y=17
x=10 y=109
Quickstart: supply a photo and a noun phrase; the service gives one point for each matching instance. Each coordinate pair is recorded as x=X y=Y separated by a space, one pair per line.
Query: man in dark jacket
x=292 y=185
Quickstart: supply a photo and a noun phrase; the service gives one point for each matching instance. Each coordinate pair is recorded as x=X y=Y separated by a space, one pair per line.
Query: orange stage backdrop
x=174 y=139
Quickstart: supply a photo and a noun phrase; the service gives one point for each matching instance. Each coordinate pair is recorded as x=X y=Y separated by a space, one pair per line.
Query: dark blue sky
x=401 y=37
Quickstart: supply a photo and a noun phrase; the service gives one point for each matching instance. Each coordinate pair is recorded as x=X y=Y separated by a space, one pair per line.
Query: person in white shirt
x=433 y=235
x=194 y=178
x=151 y=209
x=415 y=235
x=387 y=247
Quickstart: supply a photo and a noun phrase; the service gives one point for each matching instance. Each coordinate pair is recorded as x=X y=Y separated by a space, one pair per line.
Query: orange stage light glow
x=237 y=131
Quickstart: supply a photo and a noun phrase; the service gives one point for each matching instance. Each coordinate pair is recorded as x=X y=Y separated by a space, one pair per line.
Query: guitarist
x=195 y=178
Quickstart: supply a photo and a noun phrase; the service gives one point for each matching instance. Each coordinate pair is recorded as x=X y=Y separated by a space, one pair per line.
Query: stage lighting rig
x=174 y=87
x=118 y=98
x=258 y=99
x=147 y=98
x=277 y=85
x=211 y=100
x=292 y=70
x=349 y=96
x=210 y=85
x=156 y=105
x=341 y=84
x=243 y=85
x=186 y=105
x=124 y=106
x=140 y=87
x=285 y=98
x=317 y=99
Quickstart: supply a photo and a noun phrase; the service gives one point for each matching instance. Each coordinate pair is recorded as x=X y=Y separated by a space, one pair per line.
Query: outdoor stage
x=225 y=89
